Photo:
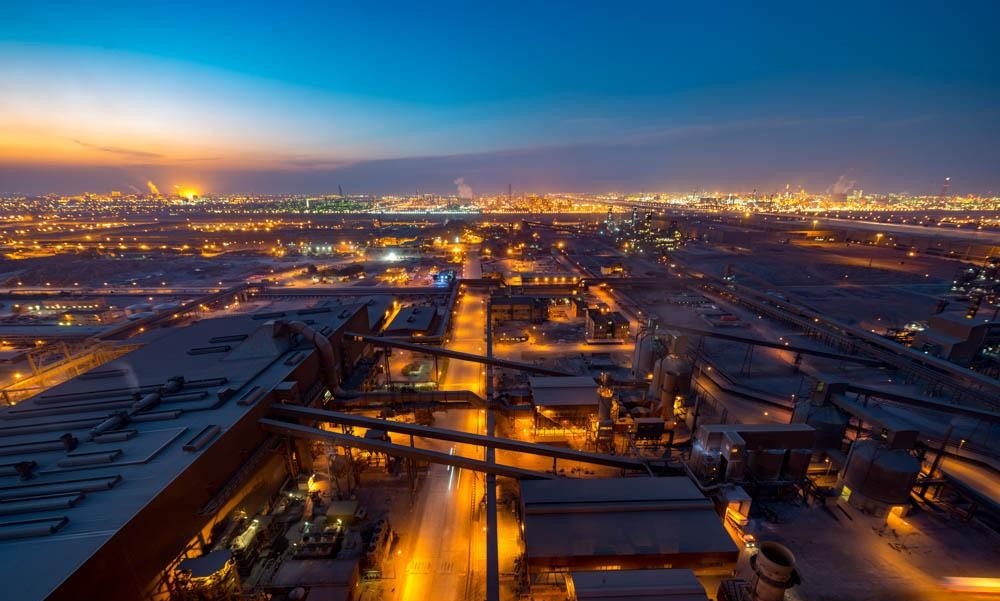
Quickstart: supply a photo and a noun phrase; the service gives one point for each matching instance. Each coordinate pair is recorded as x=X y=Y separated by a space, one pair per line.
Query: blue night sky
x=581 y=96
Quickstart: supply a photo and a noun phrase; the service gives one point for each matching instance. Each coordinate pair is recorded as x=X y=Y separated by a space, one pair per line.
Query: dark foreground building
x=112 y=479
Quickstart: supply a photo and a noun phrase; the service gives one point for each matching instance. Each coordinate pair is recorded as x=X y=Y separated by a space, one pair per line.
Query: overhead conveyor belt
x=778 y=345
x=398 y=450
x=441 y=352
x=506 y=444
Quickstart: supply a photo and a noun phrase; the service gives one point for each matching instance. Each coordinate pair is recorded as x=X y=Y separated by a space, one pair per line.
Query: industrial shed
x=635 y=585
x=622 y=524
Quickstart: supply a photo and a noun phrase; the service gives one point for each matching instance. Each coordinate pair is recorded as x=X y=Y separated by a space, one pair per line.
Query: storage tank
x=829 y=421
x=654 y=383
x=766 y=465
x=878 y=478
x=797 y=465
x=675 y=377
x=605 y=395
x=647 y=348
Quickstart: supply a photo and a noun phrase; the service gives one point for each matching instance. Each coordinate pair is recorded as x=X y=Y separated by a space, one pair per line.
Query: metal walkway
x=778 y=345
x=440 y=352
x=398 y=450
x=506 y=444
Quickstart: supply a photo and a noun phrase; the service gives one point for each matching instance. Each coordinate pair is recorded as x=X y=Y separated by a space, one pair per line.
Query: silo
x=829 y=421
x=879 y=478
x=605 y=395
x=656 y=382
x=646 y=346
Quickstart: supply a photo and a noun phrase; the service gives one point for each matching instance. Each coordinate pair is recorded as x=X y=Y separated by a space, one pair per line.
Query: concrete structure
x=622 y=523
x=630 y=585
x=958 y=338
x=115 y=477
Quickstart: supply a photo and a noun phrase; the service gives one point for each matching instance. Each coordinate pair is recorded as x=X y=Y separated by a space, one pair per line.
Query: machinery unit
x=774 y=453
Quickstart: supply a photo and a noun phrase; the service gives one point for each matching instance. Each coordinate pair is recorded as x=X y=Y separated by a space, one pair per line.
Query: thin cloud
x=317 y=163
x=117 y=150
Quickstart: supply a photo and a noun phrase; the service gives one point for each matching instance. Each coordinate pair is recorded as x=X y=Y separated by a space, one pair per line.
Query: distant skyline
x=573 y=96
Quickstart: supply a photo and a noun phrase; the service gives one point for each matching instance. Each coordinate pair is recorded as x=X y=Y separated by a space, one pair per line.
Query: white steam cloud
x=464 y=189
x=152 y=188
x=842 y=185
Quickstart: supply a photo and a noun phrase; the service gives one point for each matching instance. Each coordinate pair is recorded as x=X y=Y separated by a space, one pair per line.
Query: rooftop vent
x=202 y=438
x=31 y=528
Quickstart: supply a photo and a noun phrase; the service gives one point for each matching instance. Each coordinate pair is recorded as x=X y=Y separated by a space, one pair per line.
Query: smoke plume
x=842 y=185
x=464 y=189
x=152 y=188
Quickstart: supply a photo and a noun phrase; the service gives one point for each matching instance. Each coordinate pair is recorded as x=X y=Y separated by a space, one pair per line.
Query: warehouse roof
x=665 y=520
x=563 y=391
x=412 y=319
x=626 y=585
x=81 y=488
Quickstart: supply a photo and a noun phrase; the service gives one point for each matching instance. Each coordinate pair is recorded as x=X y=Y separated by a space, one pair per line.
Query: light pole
x=878 y=239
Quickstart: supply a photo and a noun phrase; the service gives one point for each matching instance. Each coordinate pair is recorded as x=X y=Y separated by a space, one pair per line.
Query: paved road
x=445 y=559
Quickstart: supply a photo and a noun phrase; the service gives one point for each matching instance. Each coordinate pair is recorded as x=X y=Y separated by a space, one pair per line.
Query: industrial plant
x=567 y=409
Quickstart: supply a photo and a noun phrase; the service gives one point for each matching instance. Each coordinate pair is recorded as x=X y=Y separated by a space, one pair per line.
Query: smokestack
x=774 y=572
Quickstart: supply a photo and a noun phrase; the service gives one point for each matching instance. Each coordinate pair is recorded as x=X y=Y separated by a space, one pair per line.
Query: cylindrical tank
x=604 y=397
x=878 y=477
x=830 y=422
x=654 y=384
x=774 y=572
x=797 y=464
x=669 y=387
x=642 y=360
x=766 y=464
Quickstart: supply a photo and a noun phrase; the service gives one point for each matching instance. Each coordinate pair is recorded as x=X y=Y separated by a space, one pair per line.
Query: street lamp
x=828 y=465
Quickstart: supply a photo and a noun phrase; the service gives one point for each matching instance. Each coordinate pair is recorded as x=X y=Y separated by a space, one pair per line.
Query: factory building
x=606 y=325
x=959 y=338
x=542 y=279
x=564 y=401
x=621 y=524
x=414 y=321
x=635 y=585
x=167 y=434
x=518 y=308
x=759 y=453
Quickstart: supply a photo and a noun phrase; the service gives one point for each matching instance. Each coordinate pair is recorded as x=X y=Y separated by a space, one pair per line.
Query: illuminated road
x=444 y=555
x=445 y=559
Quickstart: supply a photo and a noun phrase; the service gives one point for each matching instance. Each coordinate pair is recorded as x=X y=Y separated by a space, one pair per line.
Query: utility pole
x=492 y=550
